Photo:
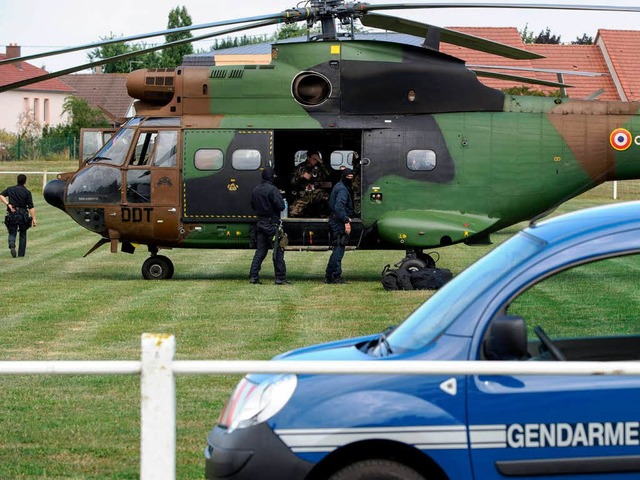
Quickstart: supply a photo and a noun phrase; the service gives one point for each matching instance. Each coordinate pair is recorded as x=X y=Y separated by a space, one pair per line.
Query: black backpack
x=426 y=278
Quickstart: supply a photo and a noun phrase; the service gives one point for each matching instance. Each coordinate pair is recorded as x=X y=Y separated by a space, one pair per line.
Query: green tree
x=291 y=30
x=527 y=35
x=172 y=56
x=546 y=37
x=584 y=40
x=145 y=60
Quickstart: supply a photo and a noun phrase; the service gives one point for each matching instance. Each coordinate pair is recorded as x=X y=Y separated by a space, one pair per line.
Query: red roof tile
x=622 y=47
x=15 y=72
x=577 y=58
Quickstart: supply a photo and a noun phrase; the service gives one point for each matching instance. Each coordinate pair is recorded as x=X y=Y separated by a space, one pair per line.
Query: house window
x=45 y=111
x=26 y=105
x=36 y=109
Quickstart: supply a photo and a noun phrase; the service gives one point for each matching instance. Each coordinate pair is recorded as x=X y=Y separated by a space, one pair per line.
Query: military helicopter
x=444 y=158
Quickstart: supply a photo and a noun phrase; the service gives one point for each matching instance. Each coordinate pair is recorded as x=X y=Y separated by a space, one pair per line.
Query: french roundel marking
x=620 y=139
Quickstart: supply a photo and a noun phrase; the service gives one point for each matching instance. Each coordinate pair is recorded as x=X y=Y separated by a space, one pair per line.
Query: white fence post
x=158 y=408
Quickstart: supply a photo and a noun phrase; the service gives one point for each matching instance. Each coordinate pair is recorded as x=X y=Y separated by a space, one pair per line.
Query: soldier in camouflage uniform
x=308 y=182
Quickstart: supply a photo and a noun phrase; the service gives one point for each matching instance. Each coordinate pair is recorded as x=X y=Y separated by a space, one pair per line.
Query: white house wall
x=16 y=102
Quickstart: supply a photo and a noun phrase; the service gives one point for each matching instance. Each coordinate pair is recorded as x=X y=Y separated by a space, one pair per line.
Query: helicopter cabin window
x=341 y=159
x=245 y=159
x=166 y=149
x=421 y=160
x=208 y=159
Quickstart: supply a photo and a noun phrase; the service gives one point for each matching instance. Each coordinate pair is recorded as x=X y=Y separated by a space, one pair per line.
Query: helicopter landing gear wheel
x=411 y=264
x=157 y=267
x=416 y=260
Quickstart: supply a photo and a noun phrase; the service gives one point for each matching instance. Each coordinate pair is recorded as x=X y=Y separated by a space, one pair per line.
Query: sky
x=40 y=26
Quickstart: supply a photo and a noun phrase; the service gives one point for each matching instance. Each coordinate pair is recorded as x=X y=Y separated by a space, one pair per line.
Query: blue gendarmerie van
x=479 y=427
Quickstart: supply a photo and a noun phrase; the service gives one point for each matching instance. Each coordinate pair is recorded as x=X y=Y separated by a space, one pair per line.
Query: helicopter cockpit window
x=245 y=159
x=115 y=151
x=418 y=160
x=166 y=149
x=208 y=159
x=92 y=141
x=96 y=184
x=301 y=156
x=341 y=159
x=144 y=148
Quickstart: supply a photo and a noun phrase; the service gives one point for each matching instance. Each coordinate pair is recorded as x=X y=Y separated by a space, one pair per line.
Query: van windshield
x=433 y=317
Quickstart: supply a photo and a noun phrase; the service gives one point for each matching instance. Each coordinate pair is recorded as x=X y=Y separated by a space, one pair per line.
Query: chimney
x=13 y=50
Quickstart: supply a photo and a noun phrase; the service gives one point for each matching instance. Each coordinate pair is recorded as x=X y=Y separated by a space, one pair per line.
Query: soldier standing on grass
x=21 y=214
x=267 y=202
x=341 y=204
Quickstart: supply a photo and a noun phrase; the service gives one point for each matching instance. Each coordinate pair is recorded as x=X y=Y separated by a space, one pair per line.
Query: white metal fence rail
x=158 y=368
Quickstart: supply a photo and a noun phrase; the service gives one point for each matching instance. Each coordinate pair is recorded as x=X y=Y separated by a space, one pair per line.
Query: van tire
x=376 y=469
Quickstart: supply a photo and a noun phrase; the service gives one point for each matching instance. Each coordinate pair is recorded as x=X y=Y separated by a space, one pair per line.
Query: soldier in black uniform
x=21 y=214
x=341 y=204
x=267 y=202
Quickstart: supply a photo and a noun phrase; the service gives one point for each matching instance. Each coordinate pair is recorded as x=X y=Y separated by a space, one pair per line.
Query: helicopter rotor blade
x=274 y=18
x=418 y=29
x=40 y=78
x=519 y=78
x=365 y=7
x=542 y=70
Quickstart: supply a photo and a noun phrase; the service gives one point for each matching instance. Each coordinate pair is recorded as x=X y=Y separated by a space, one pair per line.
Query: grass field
x=57 y=305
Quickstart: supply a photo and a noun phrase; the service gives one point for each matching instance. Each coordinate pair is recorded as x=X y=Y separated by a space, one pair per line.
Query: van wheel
x=376 y=469
x=157 y=267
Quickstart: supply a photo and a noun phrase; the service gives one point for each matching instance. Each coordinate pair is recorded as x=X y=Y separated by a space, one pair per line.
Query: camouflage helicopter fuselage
x=490 y=160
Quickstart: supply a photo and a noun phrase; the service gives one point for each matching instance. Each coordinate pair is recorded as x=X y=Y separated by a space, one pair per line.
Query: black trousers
x=266 y=232
x=13 y=233
x=338 y=241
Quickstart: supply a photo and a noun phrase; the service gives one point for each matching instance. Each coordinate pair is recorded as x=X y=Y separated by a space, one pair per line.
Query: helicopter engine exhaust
x=54 y=193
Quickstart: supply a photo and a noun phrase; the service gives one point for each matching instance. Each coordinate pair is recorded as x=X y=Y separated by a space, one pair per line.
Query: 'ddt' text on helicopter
x=445 y=159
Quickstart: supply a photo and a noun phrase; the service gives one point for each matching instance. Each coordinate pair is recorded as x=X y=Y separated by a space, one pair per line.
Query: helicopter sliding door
x=221 y=168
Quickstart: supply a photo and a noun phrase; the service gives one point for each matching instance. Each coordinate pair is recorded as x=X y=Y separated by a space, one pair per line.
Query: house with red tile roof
x=107 y=91
x=41 y=101
x=620 y=50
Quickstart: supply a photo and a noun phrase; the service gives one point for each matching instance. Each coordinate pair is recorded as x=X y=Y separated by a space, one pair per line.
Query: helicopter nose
x=54 y=193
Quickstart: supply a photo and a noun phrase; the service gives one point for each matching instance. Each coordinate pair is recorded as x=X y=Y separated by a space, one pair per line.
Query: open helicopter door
x=221 y=168
x=92 y=140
